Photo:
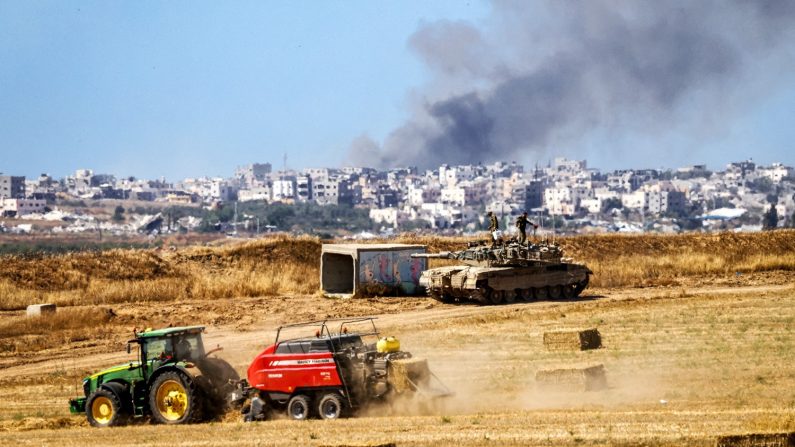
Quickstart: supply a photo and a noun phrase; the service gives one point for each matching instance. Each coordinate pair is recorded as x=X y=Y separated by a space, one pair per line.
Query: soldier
x=521 y=224
x=494 y=227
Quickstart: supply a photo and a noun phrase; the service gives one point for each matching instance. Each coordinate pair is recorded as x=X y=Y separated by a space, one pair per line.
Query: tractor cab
x=170 y=345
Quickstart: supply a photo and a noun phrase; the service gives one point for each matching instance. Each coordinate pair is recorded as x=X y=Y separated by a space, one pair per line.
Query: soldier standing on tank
x=521 y=224
x=494 y=226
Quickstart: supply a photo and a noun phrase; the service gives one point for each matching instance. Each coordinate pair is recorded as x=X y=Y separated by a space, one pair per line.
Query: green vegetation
x=57 y=246
x=301 y=217
x=770 y=219
x=118 y=214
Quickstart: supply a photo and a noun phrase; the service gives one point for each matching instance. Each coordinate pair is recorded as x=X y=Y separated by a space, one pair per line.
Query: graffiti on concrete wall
x=392 y=268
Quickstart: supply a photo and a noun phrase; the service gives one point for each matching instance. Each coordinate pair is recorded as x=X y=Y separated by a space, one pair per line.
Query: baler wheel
x=298 y=407
x=329 y=406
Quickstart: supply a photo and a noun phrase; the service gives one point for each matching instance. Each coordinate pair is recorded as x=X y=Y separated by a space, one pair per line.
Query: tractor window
x=187 y=347
x=158 y=348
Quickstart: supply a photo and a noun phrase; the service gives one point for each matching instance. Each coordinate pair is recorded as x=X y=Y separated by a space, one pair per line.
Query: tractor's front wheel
x=104 y=409
x=174 y=399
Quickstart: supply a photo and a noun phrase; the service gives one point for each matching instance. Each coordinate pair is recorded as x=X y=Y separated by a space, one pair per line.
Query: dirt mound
x=289 y=265
x=75 y=270
x=256 y=254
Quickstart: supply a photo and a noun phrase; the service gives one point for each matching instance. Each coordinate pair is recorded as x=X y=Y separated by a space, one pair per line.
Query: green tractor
x=175 y=381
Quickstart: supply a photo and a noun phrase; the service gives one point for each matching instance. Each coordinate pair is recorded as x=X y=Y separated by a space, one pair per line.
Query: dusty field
x=682 y=365
x=694 y=347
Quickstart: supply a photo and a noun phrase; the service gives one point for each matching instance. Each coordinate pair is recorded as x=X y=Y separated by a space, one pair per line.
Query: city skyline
x=195 y=89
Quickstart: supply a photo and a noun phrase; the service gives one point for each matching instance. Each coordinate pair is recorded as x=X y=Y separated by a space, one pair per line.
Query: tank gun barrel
x=442 y=255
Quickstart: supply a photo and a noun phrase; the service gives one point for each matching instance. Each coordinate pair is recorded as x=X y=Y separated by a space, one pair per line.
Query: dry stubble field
x=699 y=351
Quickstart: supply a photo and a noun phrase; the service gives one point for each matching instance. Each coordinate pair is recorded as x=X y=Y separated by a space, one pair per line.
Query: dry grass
x=265 y=267
x=721 y=363
x=20 y=334
x=632 y=260
x=285 y=265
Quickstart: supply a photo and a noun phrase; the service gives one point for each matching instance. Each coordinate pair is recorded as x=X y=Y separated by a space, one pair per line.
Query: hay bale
x=573 y=340
x=575 y=378
x=757 y=440
x=405 y=373
x=37 y=310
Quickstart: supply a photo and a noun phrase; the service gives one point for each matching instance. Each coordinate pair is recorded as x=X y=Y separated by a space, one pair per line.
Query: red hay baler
x=331 y=374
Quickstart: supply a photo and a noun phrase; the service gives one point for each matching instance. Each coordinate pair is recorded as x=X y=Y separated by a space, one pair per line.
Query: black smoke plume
x=538 y=72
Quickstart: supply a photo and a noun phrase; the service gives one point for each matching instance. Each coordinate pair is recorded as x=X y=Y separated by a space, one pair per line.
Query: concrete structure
x=20 y=207
x=386 y=216
x=361 y=269
x=260 y=193
x=37 y=310
x=12 y=187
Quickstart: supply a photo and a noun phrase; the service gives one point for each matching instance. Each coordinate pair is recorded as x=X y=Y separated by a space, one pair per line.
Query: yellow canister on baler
x=387 y=344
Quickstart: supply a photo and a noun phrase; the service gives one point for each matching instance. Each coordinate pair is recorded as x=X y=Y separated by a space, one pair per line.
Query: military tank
x=504 y=274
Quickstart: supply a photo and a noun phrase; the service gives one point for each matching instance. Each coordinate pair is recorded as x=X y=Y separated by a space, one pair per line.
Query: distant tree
x=762 y=184
x=792 y=220
x=770 y=219
x=611 y=203
x=416 y=224
x=118 y=214
x=722 y=202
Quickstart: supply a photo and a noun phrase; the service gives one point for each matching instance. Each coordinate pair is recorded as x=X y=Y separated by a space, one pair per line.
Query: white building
x=592 y=206
x=284 y=190
x=635 y=200
x=455 y=196
x=262 y=193
x=777 y=172
x=385 y=216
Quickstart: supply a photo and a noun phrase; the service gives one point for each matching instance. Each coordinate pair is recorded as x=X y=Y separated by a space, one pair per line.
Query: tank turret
x=502 y=255
x=505 y=273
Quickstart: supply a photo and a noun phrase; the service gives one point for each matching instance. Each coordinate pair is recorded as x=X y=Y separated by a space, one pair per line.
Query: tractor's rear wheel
x=174 y=399
x=218 y=382
x=298 y=407
x=104 y=409
x=329 y=406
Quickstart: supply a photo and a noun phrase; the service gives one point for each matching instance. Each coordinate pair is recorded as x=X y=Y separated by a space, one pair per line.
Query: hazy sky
x=180 y=89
